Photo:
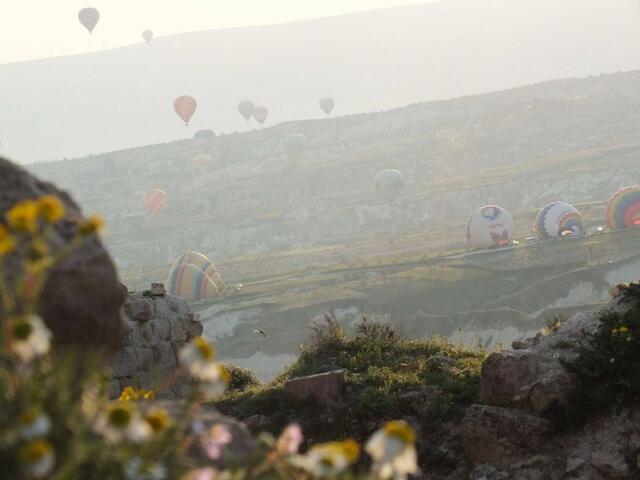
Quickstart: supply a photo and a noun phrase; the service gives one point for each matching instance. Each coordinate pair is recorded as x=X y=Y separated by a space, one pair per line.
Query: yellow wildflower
x=50 y=209
x=158 y=419
x=393 y=451
x=614 y=331
x=132 y=394
x=7 y=242
x=90 y=226
x=623 y=329
x=37 y=256
x=23 y=217
x=37 y=458
x=329 y=459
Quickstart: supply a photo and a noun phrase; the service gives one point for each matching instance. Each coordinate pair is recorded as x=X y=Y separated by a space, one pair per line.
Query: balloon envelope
x=185 y=107
x=191 y=283
x=246 y=108
x=260 y=114
x=89 y=18
x=559 y=219
x=147 y=35
x=295 y=144
x=623 y=210
x=204 y=134
x=389 y=183
x=203 y=263
x=155 y=200
x=327 y=104
x=490 y=227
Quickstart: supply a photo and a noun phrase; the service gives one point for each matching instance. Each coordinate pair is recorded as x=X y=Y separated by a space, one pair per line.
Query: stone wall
x=157 y=326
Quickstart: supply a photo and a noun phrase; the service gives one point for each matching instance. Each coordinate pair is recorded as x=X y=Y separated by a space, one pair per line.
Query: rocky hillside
x=562 y=404
x=572 y=139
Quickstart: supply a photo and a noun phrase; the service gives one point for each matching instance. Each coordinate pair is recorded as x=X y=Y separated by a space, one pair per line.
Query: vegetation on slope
x=425 y=382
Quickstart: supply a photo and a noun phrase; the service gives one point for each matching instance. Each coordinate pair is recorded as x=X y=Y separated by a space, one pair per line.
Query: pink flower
x=207 y=473
x=290 y=440
x=215 y=439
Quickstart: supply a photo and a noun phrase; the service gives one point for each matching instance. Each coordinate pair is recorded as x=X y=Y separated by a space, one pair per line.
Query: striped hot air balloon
x=191 y=283
x=194 y=277
x=623 y=210
x=557 y=220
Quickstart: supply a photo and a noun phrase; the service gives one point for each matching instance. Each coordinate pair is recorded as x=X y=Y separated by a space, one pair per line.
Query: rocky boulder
x=157 y=327
x=323 y=387
x=81 y=301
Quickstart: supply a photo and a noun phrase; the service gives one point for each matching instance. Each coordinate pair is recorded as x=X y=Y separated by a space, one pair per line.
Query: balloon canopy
x=490 y=227
x=260 y=114
x=557 y=220
x=155 y=200
x=295 y=144
x=327 y=104
x=89 y=18
x=623 y=210
x=185 y=106
x=147 y=35
x=246 y=108
x=194 y=277
x=204 y=134
x=389 y=183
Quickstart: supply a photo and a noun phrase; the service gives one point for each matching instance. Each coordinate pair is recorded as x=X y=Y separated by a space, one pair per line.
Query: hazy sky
x=32 y=29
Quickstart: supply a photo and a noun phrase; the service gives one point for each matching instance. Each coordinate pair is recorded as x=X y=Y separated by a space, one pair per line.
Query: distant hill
x=71 y=106
x=576 y=140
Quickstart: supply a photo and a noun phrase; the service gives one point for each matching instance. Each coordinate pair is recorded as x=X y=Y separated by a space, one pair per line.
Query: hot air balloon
x=389 y=183
x=490 y=227
x=89 y=18
x=185 y=107
x=203 y=263
x=295 y=144
x=202 y=160
x=557 y=220
x=194 y=277
x=191 y=283
x=147 y=35
x=246 y=108
x=260 y=114
x=327 y=104
x=623 y=210
x=204 y=134
x=155 y=200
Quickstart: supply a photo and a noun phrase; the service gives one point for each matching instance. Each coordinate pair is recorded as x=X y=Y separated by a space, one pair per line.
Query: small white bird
x=260 y=332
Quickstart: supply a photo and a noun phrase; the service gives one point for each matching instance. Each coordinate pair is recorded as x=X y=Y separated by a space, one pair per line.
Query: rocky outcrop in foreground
x=81 y=301
x=510 y=436
x=157 y=327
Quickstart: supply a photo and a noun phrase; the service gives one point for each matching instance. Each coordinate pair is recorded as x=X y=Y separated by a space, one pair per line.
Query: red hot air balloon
x=89 y=18
x=185 y=107
x=260 y=114
x=155 y=200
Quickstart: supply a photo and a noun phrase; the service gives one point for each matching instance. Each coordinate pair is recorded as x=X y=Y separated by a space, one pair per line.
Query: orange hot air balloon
x=155 y=200
x=260 y=114
x=185 y=107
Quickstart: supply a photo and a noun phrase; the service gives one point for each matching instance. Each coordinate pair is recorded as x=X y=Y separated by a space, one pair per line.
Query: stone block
x=324 y=387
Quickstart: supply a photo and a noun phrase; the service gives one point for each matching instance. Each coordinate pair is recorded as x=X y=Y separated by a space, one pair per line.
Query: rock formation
x=511 y=436
x=157 y=326
x=81 y=301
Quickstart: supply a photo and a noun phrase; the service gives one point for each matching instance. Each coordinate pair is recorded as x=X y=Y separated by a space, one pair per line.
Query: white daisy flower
x=31 y=338
x=215 y=382
x=198 y=358
x=137 y=469
x=33 y=424
x=393 y=451
x=122 y=421
x=329 y=459
x=37 y=458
